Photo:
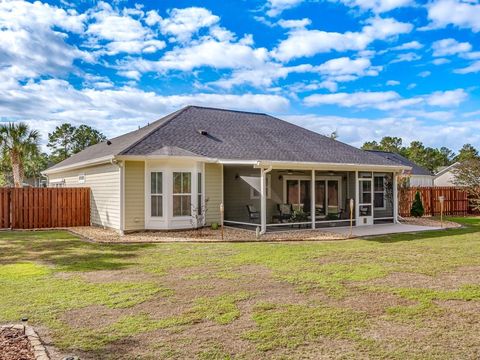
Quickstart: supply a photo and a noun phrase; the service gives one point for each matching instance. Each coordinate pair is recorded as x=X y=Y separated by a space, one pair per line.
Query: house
x=268 y=173
x=418 y=176
x=445 y=176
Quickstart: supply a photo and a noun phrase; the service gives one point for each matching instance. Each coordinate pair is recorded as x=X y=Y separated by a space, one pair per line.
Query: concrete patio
x=383 y=229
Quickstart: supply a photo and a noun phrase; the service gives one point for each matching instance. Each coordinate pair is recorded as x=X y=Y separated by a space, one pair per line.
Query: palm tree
x=18 y=143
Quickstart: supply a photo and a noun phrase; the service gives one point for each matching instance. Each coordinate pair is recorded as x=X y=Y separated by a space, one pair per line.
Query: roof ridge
x=165 y=122
x=229 y=110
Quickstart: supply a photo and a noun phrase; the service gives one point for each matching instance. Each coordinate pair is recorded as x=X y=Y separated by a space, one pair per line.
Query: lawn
x=397 y=297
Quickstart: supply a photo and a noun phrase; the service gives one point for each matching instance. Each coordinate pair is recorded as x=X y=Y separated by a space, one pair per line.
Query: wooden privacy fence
x=456 y=200
x=35 y=208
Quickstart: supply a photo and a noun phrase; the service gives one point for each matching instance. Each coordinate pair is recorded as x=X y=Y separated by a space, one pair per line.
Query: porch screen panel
x=320 y=197
x=305 y=195
x=182 y=194
x=293 y=197
x=333 y=206
x=156 y=194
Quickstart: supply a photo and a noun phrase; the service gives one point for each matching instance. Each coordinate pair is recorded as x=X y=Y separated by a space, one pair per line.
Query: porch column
x=395 y=199
x=357 y=198
x=263 y=201
x=312 y=199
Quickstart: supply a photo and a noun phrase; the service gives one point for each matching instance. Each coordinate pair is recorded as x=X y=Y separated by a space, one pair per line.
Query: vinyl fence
x=36 y=208
x=456 y=200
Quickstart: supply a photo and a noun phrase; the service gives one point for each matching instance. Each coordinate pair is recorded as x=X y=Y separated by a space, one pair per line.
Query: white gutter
x=327 y=166
x=102 y=160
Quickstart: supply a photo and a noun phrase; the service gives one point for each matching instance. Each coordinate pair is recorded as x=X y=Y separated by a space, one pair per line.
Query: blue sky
x=363 y=68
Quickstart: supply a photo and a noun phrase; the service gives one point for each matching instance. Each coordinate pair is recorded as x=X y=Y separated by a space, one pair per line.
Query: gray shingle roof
x=233 y=135
x=416 y=169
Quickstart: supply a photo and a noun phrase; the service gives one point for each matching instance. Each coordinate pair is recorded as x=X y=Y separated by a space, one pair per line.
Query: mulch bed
x=14 y=345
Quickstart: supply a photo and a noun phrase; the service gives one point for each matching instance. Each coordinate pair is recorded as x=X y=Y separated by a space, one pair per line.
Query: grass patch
x=43 y=275
x=289 y=326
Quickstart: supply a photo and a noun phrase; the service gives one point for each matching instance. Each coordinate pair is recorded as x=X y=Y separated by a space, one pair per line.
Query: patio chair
x=286 y=212
x=253 y=213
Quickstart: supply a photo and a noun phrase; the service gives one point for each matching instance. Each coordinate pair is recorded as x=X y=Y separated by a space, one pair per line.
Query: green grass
x=46 y=275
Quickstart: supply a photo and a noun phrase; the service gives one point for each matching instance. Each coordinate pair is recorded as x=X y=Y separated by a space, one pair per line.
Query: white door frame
x=365 y=220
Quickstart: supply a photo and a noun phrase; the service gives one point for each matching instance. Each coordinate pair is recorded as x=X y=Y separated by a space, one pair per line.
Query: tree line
x=21 y=155
x=427 y=157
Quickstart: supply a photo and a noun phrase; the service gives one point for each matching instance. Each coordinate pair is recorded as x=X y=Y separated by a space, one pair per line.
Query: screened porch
x=299 y=199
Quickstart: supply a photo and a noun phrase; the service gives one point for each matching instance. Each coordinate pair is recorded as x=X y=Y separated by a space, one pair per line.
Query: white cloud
x=276 y=7
x=291 y=24
x=449 y=98
x=440 y=61
x=412 y=45
x=450 y=46
x=472 y=68
x=303 y=42
x=460 y=13
x=261 y=76
x=344 y=66
x=377 y=6
x=392 y=83
x=425 y=74
x=357 y=130
x=113 y=31
x=49 y=102
x=32 y=40
x=358 y=99
x=406 y=57
x=183 y=23
x=332 y=71
x=387 y=100
x=207 y=52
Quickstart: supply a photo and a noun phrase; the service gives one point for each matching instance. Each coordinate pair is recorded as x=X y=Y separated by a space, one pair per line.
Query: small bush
x=417 y=209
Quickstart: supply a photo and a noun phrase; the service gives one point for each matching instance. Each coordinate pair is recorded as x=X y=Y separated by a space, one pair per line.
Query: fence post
x=432 y=202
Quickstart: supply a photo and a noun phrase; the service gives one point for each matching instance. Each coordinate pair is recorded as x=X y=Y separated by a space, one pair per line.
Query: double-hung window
x=156 y=194
x=182 y=194
x=379 y=191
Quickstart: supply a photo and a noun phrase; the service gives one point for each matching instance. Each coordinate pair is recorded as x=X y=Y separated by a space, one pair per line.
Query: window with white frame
x=81 y=178
x=156 y=194
x=255 y=194
x=379 y=191
x=199 y=194
x=182 y=194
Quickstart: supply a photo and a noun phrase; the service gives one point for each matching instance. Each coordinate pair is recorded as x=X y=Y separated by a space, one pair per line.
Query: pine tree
x=417 y=209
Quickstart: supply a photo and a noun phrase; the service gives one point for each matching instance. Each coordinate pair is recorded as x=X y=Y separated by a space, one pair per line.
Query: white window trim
x=82 y=178
x=173 y=194
x=269 y=188
x=384 y=192
x=156 y=194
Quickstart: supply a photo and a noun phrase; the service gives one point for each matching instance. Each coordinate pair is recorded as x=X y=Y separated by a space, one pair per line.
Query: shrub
x=417 y=209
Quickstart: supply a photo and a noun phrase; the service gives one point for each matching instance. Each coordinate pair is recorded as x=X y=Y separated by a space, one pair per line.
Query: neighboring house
x=418 y=176
x=259 y=167
x=445 y=176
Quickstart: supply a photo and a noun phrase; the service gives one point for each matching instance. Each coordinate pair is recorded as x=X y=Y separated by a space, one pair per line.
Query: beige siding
x=213 y=192
x=446 y=179
x=104 y=182
x=134 y=195
x=421 y=181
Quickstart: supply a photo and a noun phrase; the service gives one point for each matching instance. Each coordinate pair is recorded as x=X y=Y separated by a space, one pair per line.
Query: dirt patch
x=433 y=222
x=446 y=281
x=14 y=345
x=373 y=303
x=460 y=306
x=98 y=234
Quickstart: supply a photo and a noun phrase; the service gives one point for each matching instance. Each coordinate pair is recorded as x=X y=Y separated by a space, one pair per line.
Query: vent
x=203 y=132
x=109 y=142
